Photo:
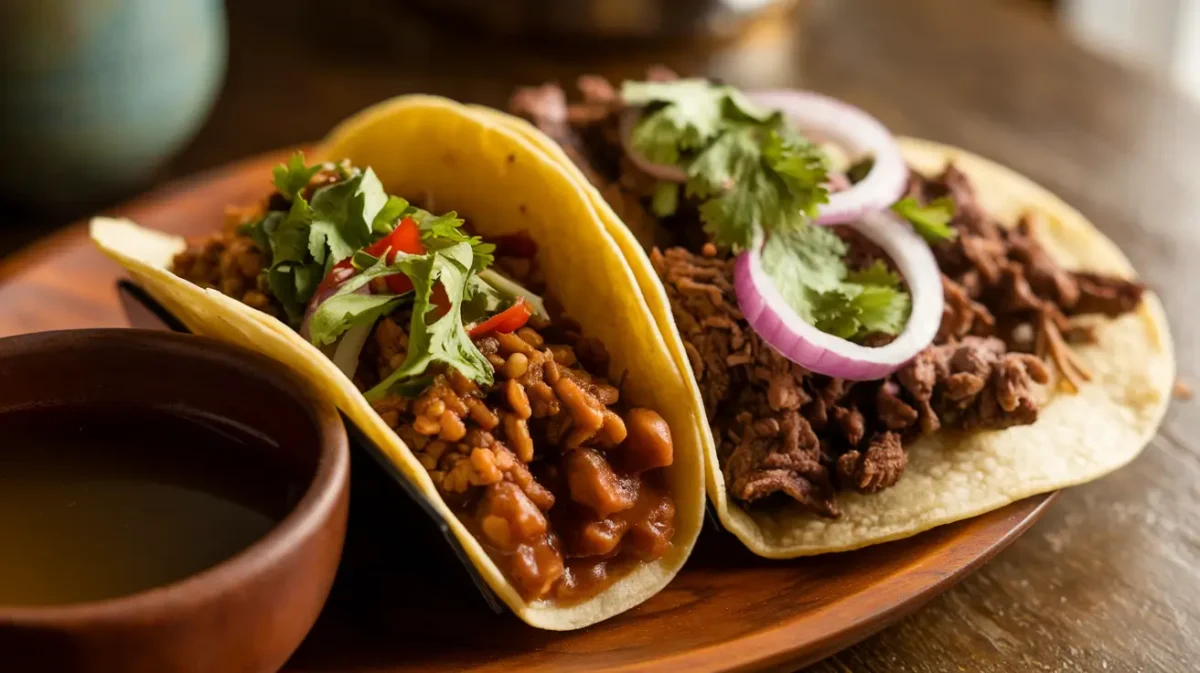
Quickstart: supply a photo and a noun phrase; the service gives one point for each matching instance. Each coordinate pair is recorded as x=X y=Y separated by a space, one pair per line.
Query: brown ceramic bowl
x=244 y=615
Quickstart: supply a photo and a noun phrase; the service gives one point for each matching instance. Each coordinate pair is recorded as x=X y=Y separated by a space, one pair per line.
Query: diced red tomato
x=398 y=283
x=510 y=319
x=406 y=237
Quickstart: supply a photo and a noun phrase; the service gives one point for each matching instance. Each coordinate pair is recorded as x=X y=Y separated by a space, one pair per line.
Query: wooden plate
x=402 y=602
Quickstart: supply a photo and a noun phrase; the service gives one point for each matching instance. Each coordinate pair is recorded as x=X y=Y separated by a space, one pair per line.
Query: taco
x=885 y=335
x=459 y=298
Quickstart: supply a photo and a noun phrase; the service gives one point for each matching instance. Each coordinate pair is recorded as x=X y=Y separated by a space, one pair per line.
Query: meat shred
x=783 y=430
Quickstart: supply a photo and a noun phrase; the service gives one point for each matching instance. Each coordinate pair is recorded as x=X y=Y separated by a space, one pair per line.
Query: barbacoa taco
x=885 y=335
x=492 y=343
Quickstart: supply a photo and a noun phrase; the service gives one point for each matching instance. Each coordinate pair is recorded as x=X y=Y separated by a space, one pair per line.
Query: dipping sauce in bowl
x=99 y=502
x=167 y=503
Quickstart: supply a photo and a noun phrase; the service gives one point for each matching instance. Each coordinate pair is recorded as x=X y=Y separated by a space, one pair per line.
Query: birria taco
x=885 y=335
x=492 y=343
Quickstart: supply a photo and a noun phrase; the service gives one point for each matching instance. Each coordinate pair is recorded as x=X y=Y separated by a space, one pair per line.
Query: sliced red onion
x=349 y=346
x=665 y=172
x=345 y=356
x=800 y=342
x=325 y=290
x=837 y=182
x=859 y=134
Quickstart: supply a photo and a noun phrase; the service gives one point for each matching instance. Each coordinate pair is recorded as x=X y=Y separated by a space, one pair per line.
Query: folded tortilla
x=501 y=184
x=955 y=475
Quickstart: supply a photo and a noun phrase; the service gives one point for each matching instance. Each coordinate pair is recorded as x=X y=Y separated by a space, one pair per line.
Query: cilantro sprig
x=340 y=221
x=308 y=239
x=757 y=179
x=750 y=170
x=434 y=338
x=932 y=222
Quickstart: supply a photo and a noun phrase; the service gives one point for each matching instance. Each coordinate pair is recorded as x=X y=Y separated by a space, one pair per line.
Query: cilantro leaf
x=685 y=115
x=346 y=308
x=289 y=241
x=881 y=309
x=876 y=274
x=757 y=179
x=444 y=340
x=293 y=283
x=482 y=300
x=690 y=117
x=292 y=276
x=750 y=169
x=340 y=313
x=514 y=290
x=294 y=176
x=441 y=231
x=666 y=199
x=343 y=216
x=932 y=222
x=391 y=212
x=800 y=165
x=262 y=229
x=805 y=264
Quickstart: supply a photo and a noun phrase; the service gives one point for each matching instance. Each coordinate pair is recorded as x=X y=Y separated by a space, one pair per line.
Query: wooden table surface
x=1110 y=579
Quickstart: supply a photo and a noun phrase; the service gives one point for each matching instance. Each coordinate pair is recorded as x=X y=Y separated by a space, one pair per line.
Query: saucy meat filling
x=784 y=432
x=563 y=484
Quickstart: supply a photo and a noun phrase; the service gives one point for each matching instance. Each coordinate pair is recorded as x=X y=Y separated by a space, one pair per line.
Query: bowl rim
x=305 y=519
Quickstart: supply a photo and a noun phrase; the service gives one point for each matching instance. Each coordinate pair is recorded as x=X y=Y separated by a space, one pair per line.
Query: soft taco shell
x=953 y=476
x=501 y=184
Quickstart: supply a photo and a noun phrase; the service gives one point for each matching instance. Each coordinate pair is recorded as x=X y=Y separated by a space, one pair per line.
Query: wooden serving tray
x=403 y=603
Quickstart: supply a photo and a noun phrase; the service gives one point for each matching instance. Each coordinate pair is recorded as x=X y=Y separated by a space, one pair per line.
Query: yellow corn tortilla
x=951 y=475
x=501 y=184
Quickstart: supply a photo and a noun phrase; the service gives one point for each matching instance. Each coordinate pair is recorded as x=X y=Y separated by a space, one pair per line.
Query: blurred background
x=101 y=99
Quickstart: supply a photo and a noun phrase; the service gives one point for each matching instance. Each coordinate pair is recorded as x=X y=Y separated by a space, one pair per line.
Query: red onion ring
x=350 y=346
x=328 y=287
x=802 y=343
x=858 y=132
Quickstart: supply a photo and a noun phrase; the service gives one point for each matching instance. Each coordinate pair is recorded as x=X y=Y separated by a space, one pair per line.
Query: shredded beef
x=877 y=467
x=784 y=430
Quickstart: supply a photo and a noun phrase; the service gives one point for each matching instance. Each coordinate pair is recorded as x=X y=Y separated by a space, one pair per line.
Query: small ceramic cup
x=96 y=94
x=244 y=615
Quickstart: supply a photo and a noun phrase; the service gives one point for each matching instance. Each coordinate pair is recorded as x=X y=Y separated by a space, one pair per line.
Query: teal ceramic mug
x=96 y=94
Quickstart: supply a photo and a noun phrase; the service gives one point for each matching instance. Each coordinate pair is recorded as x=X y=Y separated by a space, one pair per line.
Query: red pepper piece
x=406 y=237
x=510 y=319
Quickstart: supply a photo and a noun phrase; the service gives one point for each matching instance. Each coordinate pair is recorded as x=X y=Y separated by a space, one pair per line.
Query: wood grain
x=1108 y=580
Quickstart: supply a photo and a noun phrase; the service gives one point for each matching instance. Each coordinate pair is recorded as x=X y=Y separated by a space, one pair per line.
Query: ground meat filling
x=785 y=433
x=563 y=485
x=230 y=263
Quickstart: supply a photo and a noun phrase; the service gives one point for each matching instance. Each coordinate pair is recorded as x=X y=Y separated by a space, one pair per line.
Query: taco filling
x=498 y=394
x=790 y=268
